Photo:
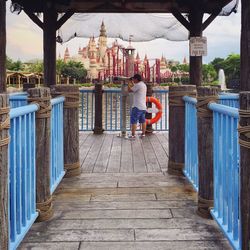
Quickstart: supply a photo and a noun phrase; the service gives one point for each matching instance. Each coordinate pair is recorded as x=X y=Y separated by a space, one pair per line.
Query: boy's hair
x=137 y=77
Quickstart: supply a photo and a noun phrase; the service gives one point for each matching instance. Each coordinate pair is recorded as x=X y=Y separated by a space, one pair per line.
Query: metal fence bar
x=56 y=143
x=18 y=99
x=226 y=172
x=22 y=188
x=191 y=142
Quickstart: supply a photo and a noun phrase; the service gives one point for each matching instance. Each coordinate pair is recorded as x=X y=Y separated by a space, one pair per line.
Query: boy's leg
x=134 y=126
x=144 y=128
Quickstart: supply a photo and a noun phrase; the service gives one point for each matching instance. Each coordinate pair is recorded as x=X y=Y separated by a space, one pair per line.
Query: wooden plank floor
x=125 y=200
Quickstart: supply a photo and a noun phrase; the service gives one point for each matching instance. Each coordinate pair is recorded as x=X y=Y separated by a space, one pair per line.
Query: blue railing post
x=43 y=196
x=205 y=149
x=177 y=127
x=98 y=129
x=4 y=176
x=71 y=128
x=244 y=141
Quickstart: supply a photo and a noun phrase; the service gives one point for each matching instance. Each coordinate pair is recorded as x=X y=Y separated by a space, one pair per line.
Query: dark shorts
x=137 y=115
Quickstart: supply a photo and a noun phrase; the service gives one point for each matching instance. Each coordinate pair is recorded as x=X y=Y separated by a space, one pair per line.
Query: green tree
x=218 y=63
x=36 y=67
x=8 y=63
x=231 y=67
x=208 y=72
x=15 y=66
x=74 y=70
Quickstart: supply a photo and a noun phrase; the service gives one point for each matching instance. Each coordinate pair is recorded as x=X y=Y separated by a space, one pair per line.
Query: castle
x=102 y=61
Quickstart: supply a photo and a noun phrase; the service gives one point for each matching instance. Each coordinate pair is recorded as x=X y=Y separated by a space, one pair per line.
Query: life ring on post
x=158 y=105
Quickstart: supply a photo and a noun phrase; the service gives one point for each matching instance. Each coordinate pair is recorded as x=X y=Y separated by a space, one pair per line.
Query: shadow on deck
x=124 y=199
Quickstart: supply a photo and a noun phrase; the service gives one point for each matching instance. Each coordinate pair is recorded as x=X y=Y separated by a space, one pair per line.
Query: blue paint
x=56 y=143
x=22 y=184
x=112 y=116
x=191 y=142
x=229 y=99
x=18 y=99
x=226 y=172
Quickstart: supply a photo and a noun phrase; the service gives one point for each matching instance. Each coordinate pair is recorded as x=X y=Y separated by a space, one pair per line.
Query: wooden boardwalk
x=125 y=200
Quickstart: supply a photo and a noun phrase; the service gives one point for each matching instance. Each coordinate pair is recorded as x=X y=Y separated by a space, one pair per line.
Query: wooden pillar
x=71 y=128
x=205 y=149
x=49 y=46
x=177 y=127
x=43 y=196
x=244 y=132
x=98 y=129
x=2 y=46
x=195 y=62
x=4 y=171
x=244 y=122
x=149 y=128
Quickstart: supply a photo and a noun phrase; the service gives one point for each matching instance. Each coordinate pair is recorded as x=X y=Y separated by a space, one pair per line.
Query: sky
x=24 y=40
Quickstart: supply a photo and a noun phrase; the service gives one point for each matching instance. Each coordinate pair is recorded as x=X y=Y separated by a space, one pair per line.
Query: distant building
x=102 y=62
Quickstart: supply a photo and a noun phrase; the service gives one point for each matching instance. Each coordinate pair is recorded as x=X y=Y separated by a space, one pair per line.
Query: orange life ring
x=158 y=106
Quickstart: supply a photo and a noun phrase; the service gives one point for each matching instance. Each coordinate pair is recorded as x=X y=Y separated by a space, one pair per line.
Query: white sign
x=198 y=46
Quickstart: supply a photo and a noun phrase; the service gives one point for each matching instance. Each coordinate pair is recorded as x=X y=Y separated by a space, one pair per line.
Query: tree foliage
x=73 y=69
x=209 y=73
x=14 y=65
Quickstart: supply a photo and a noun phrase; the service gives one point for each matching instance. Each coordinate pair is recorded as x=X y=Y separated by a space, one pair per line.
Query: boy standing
x=139 y=105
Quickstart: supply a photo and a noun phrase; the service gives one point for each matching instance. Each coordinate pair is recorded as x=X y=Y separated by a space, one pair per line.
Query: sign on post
x=198 y=46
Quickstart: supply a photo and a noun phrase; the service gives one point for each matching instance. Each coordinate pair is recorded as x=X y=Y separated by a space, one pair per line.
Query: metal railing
x=56 y=143
x=22 y=173
x=112 y=111
x=191 y=142
x=226 y=172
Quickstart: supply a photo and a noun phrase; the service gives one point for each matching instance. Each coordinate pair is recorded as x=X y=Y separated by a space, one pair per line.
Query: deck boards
x=125 y=200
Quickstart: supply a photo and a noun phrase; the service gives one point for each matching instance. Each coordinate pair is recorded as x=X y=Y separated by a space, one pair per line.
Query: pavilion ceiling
x=128 y=6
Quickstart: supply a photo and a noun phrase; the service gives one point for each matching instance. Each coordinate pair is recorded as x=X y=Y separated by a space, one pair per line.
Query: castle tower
x=185 y=61
x=66 y=57
x=163 y=64
x=130 y=52
x=102 y=41
x=93 y=74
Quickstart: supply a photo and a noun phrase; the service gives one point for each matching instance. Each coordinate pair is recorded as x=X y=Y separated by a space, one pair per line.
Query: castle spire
x=103 y=30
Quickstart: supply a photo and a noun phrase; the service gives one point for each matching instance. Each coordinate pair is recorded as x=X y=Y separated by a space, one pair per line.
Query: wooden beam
x=64 y=18
x=2 y=46
x=209 y=20
x=177 y=14
x=34 y=18
x=245 y=47
x=49 y=46
x=195 y=71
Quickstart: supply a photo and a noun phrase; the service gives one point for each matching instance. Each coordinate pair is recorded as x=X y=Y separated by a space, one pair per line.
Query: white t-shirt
x=140 y=91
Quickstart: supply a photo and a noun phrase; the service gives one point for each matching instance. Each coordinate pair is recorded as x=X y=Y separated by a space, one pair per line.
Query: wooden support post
x=49 y=46
x=149 y=128
x=195 y=71
x=27 y=86
x=98 y=129
x=43 y=196
x=71 y=128
x=4 y=171
x=177 y=127
x=2 y=46
x=205 y=149
x=244 y=132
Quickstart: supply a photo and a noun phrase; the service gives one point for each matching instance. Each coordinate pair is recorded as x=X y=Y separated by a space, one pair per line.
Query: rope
x=202 y=106
x=175 y=97
x=204 y=207
x=72 y=169
x=244 y=130
x=5 y=125
x=45 y=210
x=175 y=168
x=45 y=108
x=71 y=99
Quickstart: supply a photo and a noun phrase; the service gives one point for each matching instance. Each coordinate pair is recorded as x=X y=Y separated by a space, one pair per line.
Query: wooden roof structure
x=124 y=6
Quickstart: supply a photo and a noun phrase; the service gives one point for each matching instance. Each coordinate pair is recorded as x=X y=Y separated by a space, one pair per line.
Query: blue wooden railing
x=229 y=99
x=22 y=172
x=56 y=143
x=226 y=172
x=191 y=142
x=112 y=113
x=18 y=99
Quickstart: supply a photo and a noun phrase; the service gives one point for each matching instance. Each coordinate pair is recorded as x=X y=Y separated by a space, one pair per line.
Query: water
x=222 y=81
